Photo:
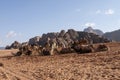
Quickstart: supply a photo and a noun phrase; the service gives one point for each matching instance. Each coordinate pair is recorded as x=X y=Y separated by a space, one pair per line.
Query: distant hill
x=114 y=35
x=1 y=48
x=95 y=31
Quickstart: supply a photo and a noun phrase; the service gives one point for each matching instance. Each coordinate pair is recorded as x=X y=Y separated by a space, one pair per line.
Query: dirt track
x=92 y=66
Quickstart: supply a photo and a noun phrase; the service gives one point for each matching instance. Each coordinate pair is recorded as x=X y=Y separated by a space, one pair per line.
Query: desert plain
x=90 y=66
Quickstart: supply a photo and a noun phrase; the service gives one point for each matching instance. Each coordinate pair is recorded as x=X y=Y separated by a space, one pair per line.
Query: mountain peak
x=95 y=31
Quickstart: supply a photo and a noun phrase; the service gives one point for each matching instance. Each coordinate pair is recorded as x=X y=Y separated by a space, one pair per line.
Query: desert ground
x=91 y=66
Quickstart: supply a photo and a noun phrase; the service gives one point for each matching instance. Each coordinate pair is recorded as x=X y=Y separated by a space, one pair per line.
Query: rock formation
x=14 y=45
x=59 y=43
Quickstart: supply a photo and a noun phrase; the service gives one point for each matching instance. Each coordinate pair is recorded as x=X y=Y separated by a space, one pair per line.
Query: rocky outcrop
x=14 y=45
x=29 y=50
x=65 y=39
x=59 y=43
x=82 y=46
x=73 y=34
x=62 y=33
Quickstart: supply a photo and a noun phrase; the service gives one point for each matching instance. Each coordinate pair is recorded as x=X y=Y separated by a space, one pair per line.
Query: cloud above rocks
x=11 y=34
x=90 y=24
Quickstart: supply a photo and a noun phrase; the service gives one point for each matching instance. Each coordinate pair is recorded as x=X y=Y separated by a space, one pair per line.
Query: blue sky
x=23 y=19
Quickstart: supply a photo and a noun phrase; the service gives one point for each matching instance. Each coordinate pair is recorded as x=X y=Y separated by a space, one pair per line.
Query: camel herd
x=52 y=48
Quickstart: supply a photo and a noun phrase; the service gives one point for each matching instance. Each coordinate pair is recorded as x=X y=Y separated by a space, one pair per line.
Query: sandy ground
x=92 y=66
x=7 y=53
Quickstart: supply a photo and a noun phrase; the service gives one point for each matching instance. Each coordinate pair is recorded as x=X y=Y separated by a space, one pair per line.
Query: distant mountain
x=95 y=31
x=1 y=48
x=114 y=35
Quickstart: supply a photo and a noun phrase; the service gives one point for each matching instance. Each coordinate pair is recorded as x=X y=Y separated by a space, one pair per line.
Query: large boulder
x=29 y=50
x=66 y=50
x=82 y=46
x=102 y=47
x=7 y=47
x=83 y=49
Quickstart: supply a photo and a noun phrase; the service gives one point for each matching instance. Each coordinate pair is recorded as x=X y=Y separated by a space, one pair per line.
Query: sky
x=24 y=19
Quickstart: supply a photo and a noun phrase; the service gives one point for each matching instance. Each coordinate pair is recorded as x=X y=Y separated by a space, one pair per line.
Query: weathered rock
x=30 y=50
x=82 y=46
x=62 y=33
x=102 y=47
x=24 y=44
x=34 y=41
x=46 y=52
x=7 y=47
x=67 y=50
x=51 y=47
x=54 y=43
x=83 y=41
x=65 y=39
x=73 y=34
x=50 y=35
x=14 y=45
x=83 y=49
x=61 y=42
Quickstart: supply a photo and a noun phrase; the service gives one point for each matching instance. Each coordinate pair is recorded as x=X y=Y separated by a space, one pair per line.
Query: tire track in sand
x=16 y=74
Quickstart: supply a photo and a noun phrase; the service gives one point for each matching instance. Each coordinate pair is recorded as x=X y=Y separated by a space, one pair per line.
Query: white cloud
x=11 y=34
x=90 y=24
x=109 y=12
x=106 y=12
